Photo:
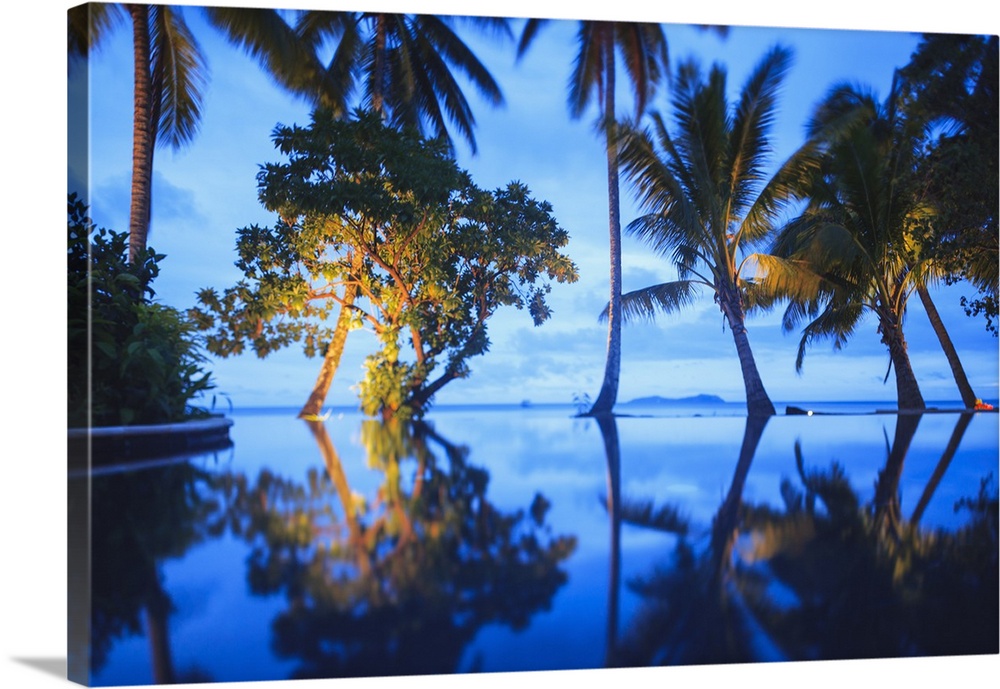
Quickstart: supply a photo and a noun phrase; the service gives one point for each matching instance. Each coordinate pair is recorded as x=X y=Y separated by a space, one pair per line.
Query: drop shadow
x=50 y=666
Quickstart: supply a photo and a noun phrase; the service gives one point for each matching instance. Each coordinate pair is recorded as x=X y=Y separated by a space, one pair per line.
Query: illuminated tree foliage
x=384 y=224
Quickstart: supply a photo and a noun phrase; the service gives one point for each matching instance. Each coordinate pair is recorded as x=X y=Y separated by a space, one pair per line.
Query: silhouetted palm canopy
x=861 y=227
x=405 y=66
x=171 y=73
x=642 y=50
x=709 y=203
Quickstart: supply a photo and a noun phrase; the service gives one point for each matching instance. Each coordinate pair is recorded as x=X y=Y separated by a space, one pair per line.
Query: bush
x=131 y=361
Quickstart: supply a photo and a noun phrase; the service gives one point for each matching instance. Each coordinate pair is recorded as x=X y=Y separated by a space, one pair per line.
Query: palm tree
x=861 y=226
x=642 y=48
x=706 y=201
x=170 y=72
x=405 y=65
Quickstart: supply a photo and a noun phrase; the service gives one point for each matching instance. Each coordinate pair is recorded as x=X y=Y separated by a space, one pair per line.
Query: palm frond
x=89 y=24
x=643 y=304
x=781 y=278
x=645 y=514
x=643 y=50
x=289 y=60
x=179 y=73
x=528 y=34
x=837 y=321
x=749 y=147
x=587 y=77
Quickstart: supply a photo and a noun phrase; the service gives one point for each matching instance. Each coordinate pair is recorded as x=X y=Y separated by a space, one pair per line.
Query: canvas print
x=412 y=344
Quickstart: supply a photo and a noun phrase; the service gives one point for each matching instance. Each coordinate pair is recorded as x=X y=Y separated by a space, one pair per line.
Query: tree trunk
x=331 y=361
x=612 y=453
x=158 y=633
x=949 y=452
x=907 y=390
x=758 y=402
x=608 y=395
x=964 y=388
x=726 y=522
x=887 y=513
x=331 y=358
x=379 y=67
x=142 y=133
x=335 y=470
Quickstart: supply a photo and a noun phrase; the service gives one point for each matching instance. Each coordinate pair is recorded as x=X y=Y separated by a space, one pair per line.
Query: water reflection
x=139 y=520
x=375 y=549
x=397 y=582
x=826 y=577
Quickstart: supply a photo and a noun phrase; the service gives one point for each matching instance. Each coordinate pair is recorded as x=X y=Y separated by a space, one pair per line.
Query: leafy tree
x=387 y=218
x=405 y=66
x=131 y=360
x=708 y=204
x=642 y=48
x=952 y=80
x=170 y=73
x=862 y=226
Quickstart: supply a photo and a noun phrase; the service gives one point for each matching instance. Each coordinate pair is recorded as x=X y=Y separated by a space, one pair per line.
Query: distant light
x=809 y=413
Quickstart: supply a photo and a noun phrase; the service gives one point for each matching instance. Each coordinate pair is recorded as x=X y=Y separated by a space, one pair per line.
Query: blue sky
x=204 y=192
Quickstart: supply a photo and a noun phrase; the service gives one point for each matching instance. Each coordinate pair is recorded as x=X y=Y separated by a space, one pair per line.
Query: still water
x=508 y=538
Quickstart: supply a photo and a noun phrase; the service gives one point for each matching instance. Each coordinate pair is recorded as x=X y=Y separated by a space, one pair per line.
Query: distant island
x=696 y=399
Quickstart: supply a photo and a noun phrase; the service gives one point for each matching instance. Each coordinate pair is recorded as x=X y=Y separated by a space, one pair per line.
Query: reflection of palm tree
x=847 y=586
x=860 y=582
x=139 y=519
x=612 y=454
x=886 y=506
x=695 y=613
x=949 y=452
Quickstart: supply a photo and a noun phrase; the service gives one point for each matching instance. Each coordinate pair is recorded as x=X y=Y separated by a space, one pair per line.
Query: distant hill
x=696 y=399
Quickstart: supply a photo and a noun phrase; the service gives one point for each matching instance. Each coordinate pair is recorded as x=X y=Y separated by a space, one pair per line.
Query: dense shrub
x=131 y=361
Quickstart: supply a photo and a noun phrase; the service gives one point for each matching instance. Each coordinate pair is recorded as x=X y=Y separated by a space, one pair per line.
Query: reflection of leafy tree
x=139 y=519
x=406 y=582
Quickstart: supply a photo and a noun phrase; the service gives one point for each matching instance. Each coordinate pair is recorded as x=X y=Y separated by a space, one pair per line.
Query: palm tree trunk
x=142 y=133
x=964 y=388
x=907 y=390
x=758 y=402
x=608 y=395
x=378 y=70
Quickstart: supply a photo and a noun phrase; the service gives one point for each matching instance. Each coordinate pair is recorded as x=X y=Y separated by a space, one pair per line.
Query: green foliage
x=952 y=80
x=387 y=217
x=131 y=361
